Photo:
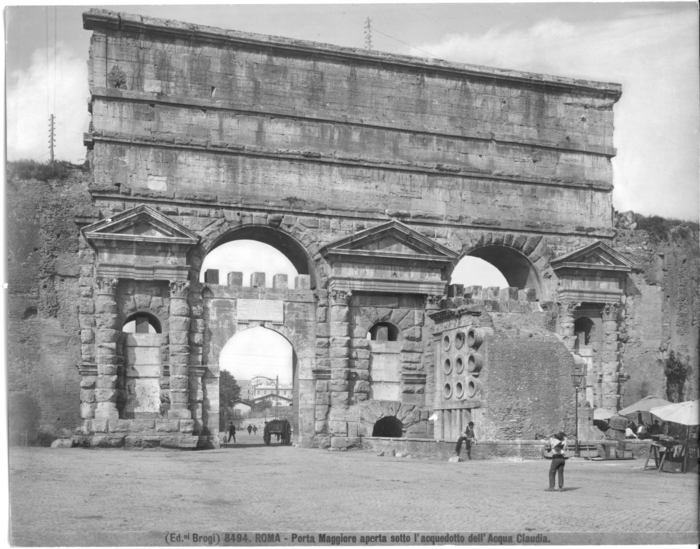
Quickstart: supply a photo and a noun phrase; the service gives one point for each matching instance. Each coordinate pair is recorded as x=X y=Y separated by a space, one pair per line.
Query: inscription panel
x=260 y=309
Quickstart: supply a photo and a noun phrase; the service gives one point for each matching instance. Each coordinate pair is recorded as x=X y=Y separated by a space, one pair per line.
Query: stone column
x=610 y=363
x=566 y=323
x=178 y=341
x=106 y=337
x=432 y=304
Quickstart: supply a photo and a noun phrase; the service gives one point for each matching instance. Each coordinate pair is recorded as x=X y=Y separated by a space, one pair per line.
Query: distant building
x=261 y=386
x=275 y=401
x=242 y=408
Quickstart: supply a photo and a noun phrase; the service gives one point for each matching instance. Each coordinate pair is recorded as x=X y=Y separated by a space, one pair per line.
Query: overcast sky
x=650 y=48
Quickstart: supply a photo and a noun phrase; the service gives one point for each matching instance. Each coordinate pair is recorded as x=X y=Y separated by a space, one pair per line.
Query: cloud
x=654 y=55
x=33 y=94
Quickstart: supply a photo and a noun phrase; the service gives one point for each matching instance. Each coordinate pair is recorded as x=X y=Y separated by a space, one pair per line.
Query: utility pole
x=277 y=400
x=52 y=134
x=368 y=34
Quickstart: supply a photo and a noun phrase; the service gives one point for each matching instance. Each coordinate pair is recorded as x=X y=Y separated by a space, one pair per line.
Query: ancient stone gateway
x=374 y=174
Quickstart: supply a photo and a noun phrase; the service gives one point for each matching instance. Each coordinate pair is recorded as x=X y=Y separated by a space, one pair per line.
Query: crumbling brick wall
x=43 y=335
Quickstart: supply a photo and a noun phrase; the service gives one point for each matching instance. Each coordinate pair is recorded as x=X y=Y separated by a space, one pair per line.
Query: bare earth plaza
x=374 y=175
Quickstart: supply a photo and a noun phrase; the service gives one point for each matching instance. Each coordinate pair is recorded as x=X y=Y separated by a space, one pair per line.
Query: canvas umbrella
x=644 y=405
x=684 y=413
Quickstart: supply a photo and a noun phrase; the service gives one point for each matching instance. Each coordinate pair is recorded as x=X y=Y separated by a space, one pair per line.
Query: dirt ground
x=118 y=497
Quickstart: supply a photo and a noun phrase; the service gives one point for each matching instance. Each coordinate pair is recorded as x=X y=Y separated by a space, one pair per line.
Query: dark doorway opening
x=388 y=427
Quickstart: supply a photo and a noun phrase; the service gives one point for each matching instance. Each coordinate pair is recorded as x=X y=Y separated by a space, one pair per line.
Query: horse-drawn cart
x=279 y=427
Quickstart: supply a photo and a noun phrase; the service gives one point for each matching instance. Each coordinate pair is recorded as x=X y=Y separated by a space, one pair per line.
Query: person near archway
x=231 y=432
x=255 y=429
x=250 y=429
x=468 y=438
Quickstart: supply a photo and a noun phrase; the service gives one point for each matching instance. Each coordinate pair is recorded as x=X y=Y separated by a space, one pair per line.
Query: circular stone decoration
x=447 y=366
x=447 y=390
x=459 y=368
x=446 y=343
x=459 y=340
x=459 y=390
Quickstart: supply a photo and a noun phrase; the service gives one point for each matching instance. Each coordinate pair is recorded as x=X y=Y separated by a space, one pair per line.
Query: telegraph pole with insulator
x=52 y=134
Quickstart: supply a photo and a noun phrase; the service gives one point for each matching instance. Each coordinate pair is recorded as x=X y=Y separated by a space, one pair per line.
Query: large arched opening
x=264 y=365
x=512 y=268
x=259 y=249
x=474 y=271
x=516 y=268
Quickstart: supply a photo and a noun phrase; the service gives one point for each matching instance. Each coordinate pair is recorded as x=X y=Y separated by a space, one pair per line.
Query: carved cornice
x=568 y=306
x=105 y=286
x=339 y=297
x=179 y=288
x=611 y=310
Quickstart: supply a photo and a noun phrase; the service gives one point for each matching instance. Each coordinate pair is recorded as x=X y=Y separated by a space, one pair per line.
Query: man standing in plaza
x=468 y=438
x=231 y=432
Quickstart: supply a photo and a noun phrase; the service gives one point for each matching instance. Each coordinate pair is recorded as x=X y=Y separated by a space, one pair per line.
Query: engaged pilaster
x=339 y=346
x=566 y=322
x=610 y=357
x=106 y=337
x=178 y=341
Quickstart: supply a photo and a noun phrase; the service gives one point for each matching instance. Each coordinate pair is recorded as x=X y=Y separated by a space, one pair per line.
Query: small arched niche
x=142 y=341
x=389 y=426
x=584 y=330
x=142 y=323
x=383 y=331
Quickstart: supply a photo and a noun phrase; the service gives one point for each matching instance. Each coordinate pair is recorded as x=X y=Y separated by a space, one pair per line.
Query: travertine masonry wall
x=284 y=123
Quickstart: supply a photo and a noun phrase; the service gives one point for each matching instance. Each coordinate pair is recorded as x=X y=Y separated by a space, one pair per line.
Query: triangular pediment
x=597 y=255
x=140 y=224
x=391 y=241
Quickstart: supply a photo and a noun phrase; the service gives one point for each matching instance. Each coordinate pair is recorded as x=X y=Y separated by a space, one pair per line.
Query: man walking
x=231 y=432
x=250 y=429
x=468 y=438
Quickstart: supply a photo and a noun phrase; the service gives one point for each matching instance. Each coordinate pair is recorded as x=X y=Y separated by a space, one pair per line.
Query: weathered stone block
x=321 y=426
x=87 y=410
x=141 y=442
x=279 y=282
x=343 y=442
x=179 y=324
x=302 y=282
x=339 y=386
x=188 y=441
x=339 y=352
x=99 y=426
x=410 y=357
x=323 y=398
x=88 y=382
x=257 y=280
x=339 y=398
x=322 y=385
x=362 y=387
x=167 y=426
x=186 y=426
x=235 y=279
x=107 y=441
x=338 y=428
x=87 y=395
x=321 y=412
